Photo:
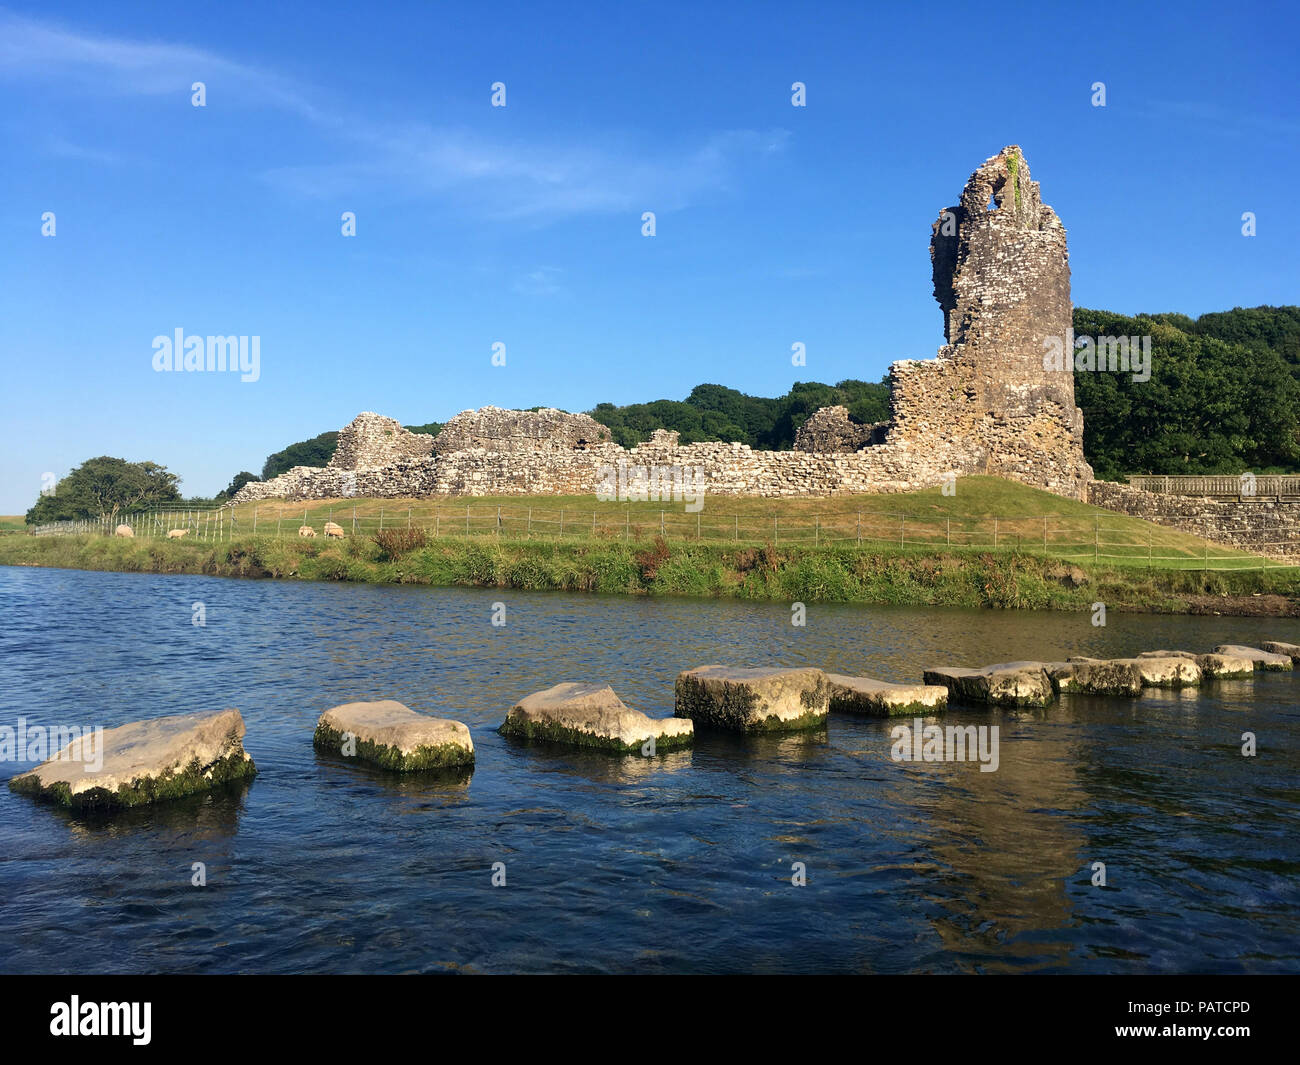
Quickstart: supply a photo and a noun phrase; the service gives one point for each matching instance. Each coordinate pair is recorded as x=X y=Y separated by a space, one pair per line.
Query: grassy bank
x=911 y=575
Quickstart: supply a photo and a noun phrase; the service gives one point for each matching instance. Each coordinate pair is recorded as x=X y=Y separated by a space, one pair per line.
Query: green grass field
x=985 y=512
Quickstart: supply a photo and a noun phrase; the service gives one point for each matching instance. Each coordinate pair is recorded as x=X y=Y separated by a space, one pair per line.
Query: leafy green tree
x=101 y=487
x=314 y=452
x=1210 y=406
x=236 y=483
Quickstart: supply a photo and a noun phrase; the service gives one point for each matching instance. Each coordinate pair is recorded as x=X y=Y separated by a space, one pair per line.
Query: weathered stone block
x=143 y=762
x=878 y=698
x=1262 y=659
x=1002 y=684
x=390 y=735
x=592 y=715
x=753 y=700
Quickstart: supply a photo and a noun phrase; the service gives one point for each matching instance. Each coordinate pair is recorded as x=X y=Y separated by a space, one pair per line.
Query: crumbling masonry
x=986 y=404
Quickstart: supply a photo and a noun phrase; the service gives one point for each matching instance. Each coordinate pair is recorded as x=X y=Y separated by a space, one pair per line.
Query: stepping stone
x=592 y=715
x=1154 y=671
x=1292 y=650
x=1096 y=677
x=1262 y=659
x=753 y=700
x=143 y=762
x=387 y=734
x=1003 y=684
x=879 y=698
x=1212 y=665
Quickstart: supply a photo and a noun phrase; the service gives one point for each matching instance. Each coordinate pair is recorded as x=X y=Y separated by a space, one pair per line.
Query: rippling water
x=679 y=863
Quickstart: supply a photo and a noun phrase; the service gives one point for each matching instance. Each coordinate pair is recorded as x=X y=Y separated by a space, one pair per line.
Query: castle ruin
x=985 y=404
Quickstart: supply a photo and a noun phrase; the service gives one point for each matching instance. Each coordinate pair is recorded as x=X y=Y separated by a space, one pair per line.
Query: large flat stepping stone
x=143 y=762
x=1096 y=677
x=880 y=698
x=1154 y=671
x=1291 y=650
x=1212 y=665
x=753 y=700
x=390 y=735
x=1002 y=684
x=1262 y=659
x=592 y=715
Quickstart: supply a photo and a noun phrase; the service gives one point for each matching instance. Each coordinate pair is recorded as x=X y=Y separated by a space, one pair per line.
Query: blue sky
x=522 y=225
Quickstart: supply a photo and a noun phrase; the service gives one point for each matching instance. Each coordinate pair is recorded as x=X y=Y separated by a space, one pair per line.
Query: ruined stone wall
x=372 y=440
x=1262 y=526
x=829 y=429
x=727 y=469
x=497 y=429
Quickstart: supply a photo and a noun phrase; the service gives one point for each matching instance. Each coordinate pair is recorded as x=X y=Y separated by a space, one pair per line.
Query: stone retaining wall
x=1264 y=527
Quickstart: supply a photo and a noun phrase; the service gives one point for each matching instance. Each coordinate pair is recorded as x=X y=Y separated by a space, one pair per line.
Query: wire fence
x=1074 y=539
x=1241 y=487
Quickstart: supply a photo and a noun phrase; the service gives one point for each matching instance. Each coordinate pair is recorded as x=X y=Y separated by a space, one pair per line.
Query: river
x=680 y=863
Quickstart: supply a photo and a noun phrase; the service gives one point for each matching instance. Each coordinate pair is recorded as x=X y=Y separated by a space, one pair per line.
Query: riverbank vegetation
x=815 y=556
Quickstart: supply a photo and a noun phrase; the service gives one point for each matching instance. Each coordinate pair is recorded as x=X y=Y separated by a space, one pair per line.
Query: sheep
x=334 y=530
x=123 y=530
x=176 y=534
x=306 y=530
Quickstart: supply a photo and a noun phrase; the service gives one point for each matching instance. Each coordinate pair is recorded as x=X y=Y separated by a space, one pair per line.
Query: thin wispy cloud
x=44 y=51
x=513 y=180
x=518 y=181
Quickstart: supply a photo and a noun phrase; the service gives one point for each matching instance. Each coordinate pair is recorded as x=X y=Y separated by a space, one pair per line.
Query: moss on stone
x=1013 y=168
x=519 y=727
x=172 y=784
x=867 y=707
x=427 y=756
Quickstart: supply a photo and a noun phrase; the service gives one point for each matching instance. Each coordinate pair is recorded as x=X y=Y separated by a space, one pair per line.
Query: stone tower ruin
x=1002 y=278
